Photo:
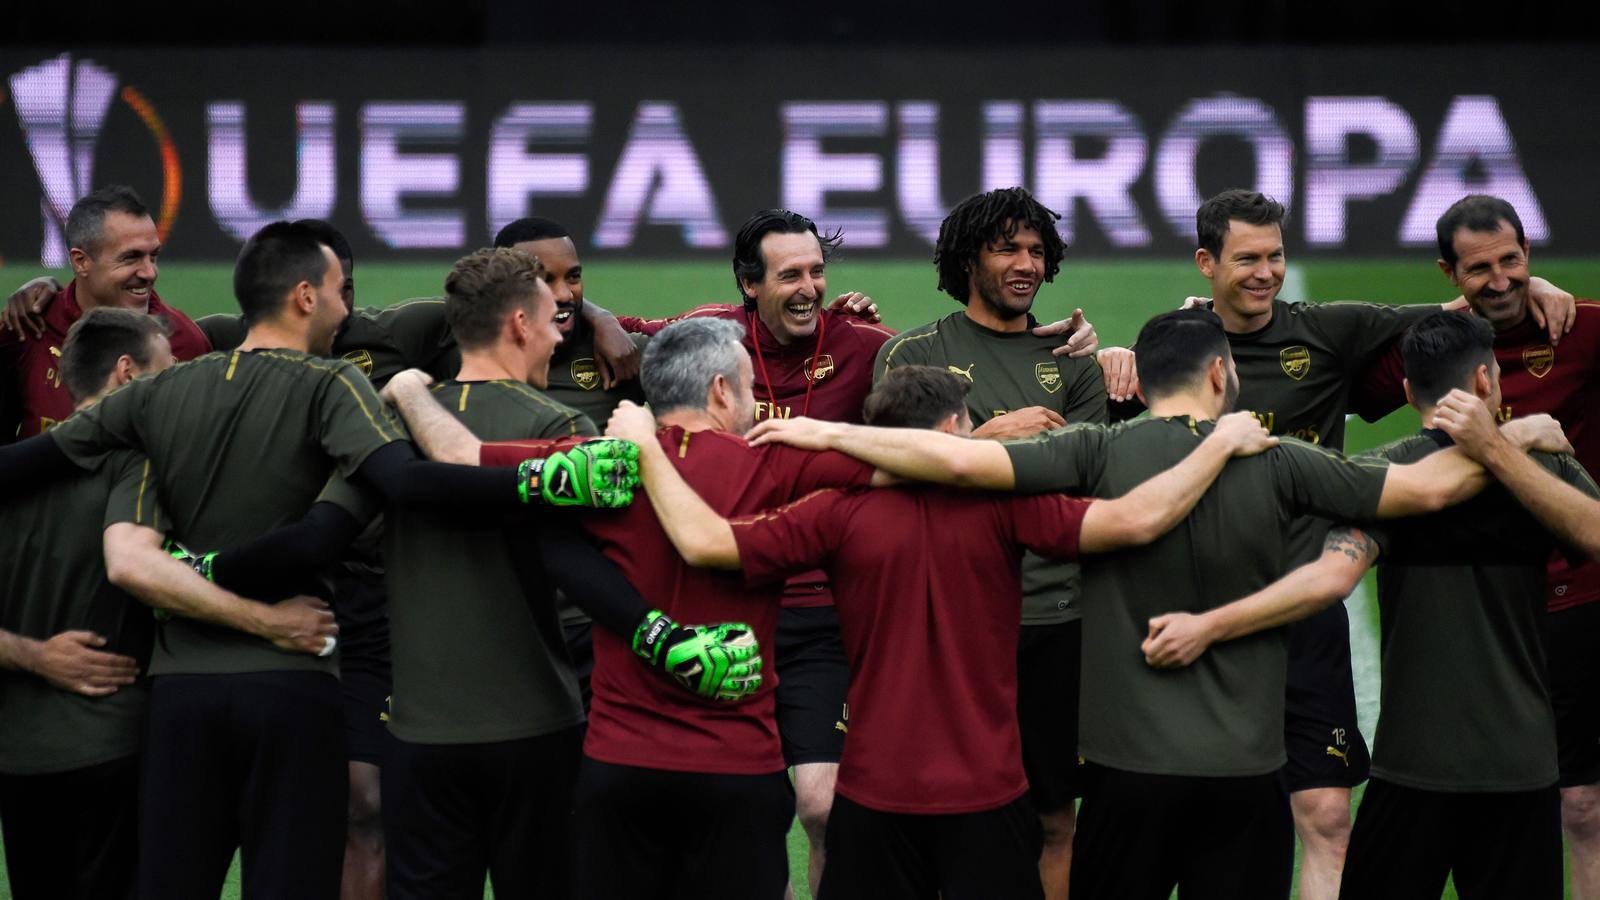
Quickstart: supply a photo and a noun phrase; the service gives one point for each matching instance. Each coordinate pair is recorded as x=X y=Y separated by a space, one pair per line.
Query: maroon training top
x=928 y=586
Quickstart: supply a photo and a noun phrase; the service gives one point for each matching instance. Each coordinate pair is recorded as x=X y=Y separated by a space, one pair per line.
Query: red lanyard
x=816 y=356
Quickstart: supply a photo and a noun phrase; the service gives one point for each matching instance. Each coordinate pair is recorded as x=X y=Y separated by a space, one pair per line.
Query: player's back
x=241 y=443
x=1221 y=716
x=478 y=652
x=638 y=719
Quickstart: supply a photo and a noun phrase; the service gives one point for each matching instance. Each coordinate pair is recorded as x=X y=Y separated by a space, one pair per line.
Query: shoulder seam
x=905 y=337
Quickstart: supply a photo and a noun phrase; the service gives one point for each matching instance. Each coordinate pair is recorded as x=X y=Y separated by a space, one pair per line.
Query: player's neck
x=1240 y=323
x=1190 y=404
x=689 y=420
x=981 y=313
x=487 y=365
x=275 y=335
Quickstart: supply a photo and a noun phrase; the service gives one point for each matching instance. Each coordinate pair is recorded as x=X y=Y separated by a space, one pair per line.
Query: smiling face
x=564 y=275
x=121 y=272
x=1246 y=276
x=1492 y=272
x=330 y=310
x=1007 y=275
x=789 y=296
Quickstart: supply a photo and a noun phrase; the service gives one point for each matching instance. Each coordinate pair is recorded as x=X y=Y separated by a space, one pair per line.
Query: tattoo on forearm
x=1352 y=542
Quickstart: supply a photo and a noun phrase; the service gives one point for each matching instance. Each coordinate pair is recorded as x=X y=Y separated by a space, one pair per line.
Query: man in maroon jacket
x=114 y=249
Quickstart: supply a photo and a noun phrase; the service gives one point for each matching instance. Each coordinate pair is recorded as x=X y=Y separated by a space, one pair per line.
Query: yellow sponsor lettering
x=768 y=410
x=1503 y=414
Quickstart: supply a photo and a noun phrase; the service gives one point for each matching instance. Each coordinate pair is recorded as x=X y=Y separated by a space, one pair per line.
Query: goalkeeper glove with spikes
x=716 y=662
x=600 y=473
x=200 y=562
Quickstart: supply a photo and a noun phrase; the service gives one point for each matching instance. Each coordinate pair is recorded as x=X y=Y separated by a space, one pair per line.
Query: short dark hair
x=748 y=262
x=915 y=397
x=1442 y=351
x=331 y=236
x=86 y=222
x=1474 y=212
x=101 y=337
x=982 y=220
x=483 y=287
x=1177 y=347
x=531 y=228
x=271 y=263
x=1237 y=205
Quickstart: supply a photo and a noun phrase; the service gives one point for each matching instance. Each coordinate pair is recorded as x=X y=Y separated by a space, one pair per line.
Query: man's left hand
x=1082 y=340
x=856 y=304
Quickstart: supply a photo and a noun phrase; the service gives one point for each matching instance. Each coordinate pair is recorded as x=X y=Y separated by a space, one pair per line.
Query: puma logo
x=1341 y=755
x=964 y=373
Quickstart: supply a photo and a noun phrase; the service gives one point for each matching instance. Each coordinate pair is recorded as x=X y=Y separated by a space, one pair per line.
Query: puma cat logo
x=964 y=373
x=1340 y=755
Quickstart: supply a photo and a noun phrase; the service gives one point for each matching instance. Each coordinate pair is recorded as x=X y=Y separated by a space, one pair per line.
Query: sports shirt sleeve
x=905 y=349
x=1380 y=389
x=650 y=327
x=1363 y=331
x=352 y=421
x=1063 y=459
x=1050 y=525
x=794 y=538
x=1086 y=399
x=133 y=492
x=420 y=334
x=225 y=332
x=1316 y=481
x=90 y=435
x=573 y=425
x=799 y=472
x=514 y=453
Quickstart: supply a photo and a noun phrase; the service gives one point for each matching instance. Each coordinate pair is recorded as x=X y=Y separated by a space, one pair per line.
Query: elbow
x=1338 y=582
x=122 y=566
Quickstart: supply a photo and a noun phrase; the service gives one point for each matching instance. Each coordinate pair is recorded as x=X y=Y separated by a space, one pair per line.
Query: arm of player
x=1155 y=506
x=616 y=355
x=1566 y=511
x=915 y=454
x=1178 y=639
x=1450 y=476
x=280 y=560
x=29 y=463
x=136 y=563
x=441 y=436
x=70 y=662
x=24 y=309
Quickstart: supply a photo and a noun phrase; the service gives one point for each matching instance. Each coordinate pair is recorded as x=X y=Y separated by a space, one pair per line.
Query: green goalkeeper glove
x=600 y=473
x=200 y=562
x=717 y=662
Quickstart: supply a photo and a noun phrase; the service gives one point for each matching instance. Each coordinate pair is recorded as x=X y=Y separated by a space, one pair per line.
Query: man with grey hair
x=114 y=245
x=649 y=749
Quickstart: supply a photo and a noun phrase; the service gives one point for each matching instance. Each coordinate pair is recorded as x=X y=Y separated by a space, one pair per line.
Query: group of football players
x=391 y=600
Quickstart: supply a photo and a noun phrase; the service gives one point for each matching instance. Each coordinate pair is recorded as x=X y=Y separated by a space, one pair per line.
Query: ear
x=80 y=261
x=124 y=370
x=1450 y=271
x=1410 y=400
x=517 y=322
x=1205 y=262
x=747 y=288
x=1219 y=375
x=1481 y=386
x=950 y=424
x=305 y=298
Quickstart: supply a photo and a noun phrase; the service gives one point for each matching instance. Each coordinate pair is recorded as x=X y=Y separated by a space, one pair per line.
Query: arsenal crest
x=1049 y=375
x=585 y=373
x=361 y=359
x=1540 y=359
x=1296 y=361
x=819 y=367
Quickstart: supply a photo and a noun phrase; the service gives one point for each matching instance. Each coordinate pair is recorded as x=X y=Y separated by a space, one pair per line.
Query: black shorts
x=1407 y=841
x=580 y=647
x=1049 y=670
x=72 y=835
x=364 y=674
x=253 y=761
x=813 y=680
x=1570 y=639
x=1139 y=836
x=989 y=855
x=453 y=813
x=645 y=834
x=1320 y=733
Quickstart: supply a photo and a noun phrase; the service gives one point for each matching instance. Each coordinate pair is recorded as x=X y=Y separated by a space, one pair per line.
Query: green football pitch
x=1117 y=296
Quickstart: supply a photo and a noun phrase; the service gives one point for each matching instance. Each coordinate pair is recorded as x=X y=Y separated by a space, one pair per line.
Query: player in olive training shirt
x=1464 y=761
x=1161 y=746
x=995 y=251
x=242 y=442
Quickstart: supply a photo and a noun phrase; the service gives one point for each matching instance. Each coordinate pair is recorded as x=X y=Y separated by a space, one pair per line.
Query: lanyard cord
x=816 y=357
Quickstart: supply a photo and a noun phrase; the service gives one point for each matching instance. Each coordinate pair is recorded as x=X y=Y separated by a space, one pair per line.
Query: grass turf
x=1118 y=298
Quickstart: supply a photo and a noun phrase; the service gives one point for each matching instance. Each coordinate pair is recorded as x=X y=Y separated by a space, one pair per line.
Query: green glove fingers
x=600 y=473
x=200 y=562
x=718 y=662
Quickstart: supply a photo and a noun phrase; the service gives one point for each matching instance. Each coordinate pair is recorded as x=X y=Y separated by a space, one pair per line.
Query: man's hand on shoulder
x=1019 y=423
x=1081 y=337
x=801 y=432
x=1243 y=434
x=856 y=304
x=632 y=422
x=403 y=383
x=24 y=309
x=1118 y=365
x=615 y=353
x=1552 y=308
